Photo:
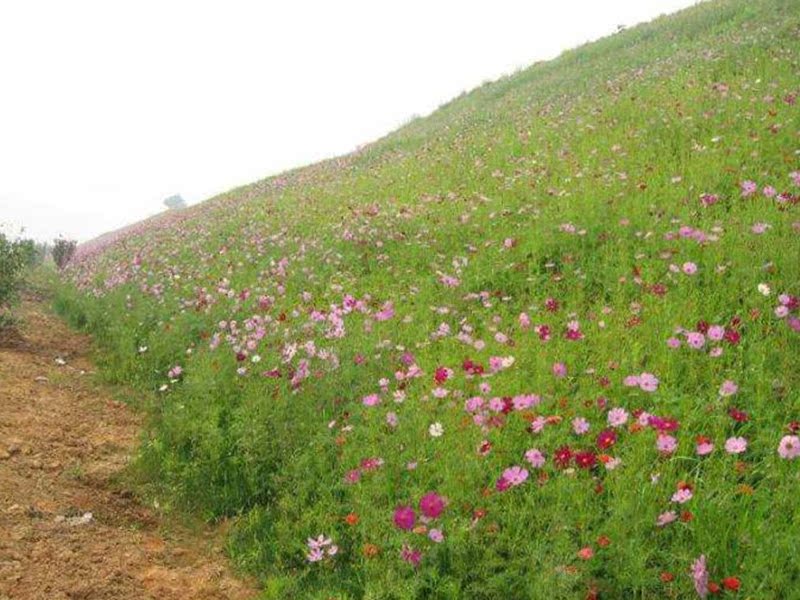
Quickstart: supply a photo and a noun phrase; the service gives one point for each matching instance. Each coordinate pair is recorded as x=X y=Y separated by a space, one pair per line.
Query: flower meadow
x=541 y=344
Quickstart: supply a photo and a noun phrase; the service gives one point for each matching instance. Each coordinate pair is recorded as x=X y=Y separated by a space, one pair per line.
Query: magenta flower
x=404 y=517
x=410 y=555
x=431 y=505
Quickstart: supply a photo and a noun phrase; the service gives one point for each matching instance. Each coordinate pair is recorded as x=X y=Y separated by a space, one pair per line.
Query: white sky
x=108 y=107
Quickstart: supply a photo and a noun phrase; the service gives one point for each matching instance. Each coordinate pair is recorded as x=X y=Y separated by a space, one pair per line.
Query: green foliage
x=14 y=256
x=62 y=251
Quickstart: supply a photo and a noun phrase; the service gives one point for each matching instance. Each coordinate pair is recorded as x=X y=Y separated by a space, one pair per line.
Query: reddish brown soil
x=63 y=442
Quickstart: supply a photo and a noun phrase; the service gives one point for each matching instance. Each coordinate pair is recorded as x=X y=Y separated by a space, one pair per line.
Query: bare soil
x=64 y=440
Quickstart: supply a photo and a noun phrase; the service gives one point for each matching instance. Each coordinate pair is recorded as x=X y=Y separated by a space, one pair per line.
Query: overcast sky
x=108 y=107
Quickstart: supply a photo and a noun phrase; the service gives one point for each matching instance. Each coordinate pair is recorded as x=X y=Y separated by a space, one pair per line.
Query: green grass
x=616 y=140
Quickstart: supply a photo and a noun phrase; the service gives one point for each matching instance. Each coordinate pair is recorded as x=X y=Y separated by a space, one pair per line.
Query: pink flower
x=689 y=268
x=524 y=321
x=682 y=496
x=728 y=388
x=436 y=536
x=617 y=417
x=580 y=425
x=560 y=370
x=704 y=447
x=789 y=447
x=748 y=188
x=631 y=381
x=535 y=458
x=371 y=400
x=716 y=332
x=666 y=518
x=514 y=476
x=410 y=555
x=391 y=419
x=735 y=445
x=695 y=340
x=404 y=517
x=431 y=505
x=700 y=576
x=648 y=382
x=666 y=444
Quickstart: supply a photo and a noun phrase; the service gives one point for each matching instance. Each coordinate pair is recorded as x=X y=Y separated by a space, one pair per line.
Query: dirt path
x=63 y=438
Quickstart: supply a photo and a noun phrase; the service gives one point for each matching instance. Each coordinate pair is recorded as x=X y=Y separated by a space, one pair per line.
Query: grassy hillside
x=541 y=344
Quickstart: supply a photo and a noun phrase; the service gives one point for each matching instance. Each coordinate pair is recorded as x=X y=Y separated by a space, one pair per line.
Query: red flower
x=441 y=375
x=551 y=304
x=606 y=439
x=562 y=457
x=738 y=415
x=585 y=460
x=731 y=583
x=732 y=337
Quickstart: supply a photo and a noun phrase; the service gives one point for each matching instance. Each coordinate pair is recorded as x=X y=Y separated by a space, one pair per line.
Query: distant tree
x=12 y=261
x=63 y=251
x=175 y=202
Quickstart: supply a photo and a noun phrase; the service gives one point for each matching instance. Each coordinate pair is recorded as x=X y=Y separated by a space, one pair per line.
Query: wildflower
x=371 y=400
x=436 y=430
x=731 y=584
x=515 y=475
x=562 y=457
x=735 y=445
x=789 y=447
x=580 y=425
x=560 y=370
x=666 y=518
x=404 y=517
x=617 y=417
x=666 y=444
x=704 y=446
x=748 y=188
x=391 y=419
x=585 y=460
x=689 y=268
x=586 y=553
x=700 y=576
x=682 y=496
x=606 y=439
x=695 y=340
x=764 y=289
x=648 y=382
x=410 y=555
x=535 y=458
x=436 y=536
x=175 y=372
x=728 y=388
x=431 y=505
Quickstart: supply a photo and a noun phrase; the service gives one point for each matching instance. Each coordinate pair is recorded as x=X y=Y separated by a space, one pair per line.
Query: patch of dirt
x=67 y=532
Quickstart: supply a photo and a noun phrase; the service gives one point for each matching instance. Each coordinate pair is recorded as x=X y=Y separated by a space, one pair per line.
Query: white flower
x=436 y=430
x=764 y=289
x=256 y=358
